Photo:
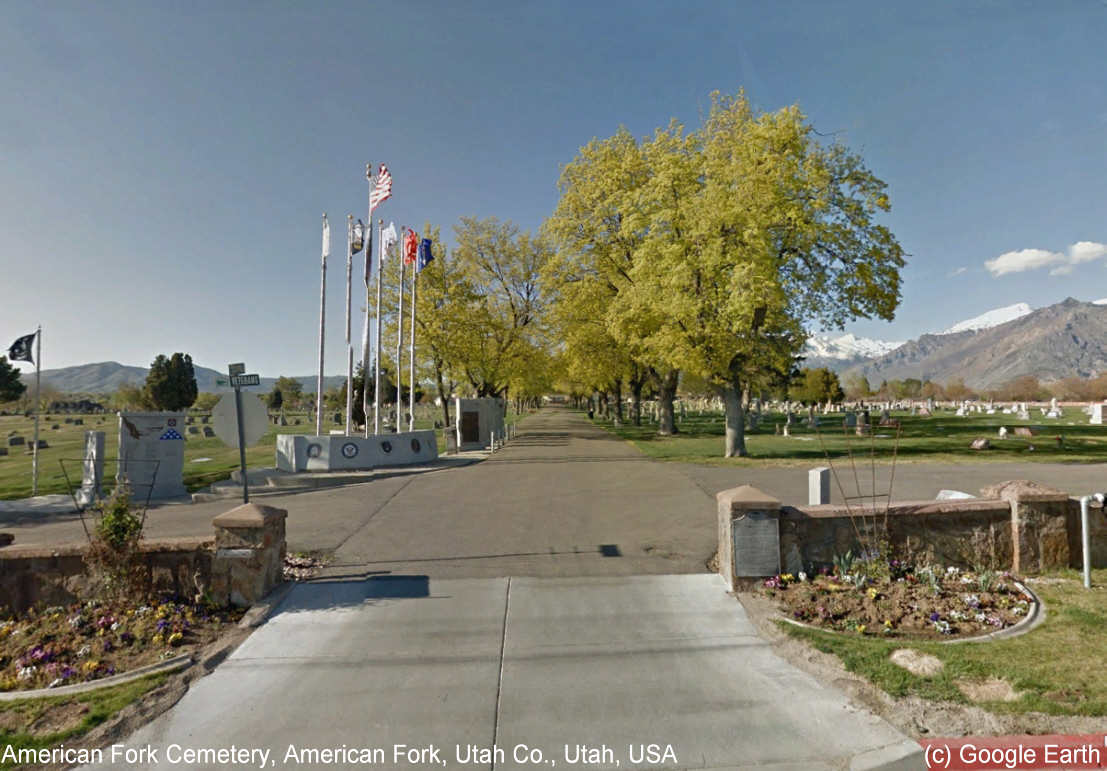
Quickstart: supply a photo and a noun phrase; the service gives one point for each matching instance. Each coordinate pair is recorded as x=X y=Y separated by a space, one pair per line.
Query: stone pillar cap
x=249 y=515
x=747 y=497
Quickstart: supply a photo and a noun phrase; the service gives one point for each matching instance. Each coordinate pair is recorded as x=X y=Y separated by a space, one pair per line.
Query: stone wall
x=31 y=575
x=1019 y=526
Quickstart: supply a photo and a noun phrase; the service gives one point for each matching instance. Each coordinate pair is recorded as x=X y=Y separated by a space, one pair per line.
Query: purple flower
x=108 y=647
x=68 y=672
x=162 y=624
x=934 y=616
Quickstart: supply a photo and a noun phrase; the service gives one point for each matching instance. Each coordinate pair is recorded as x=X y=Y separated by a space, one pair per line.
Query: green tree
x=596 y=250
x=276 y=398
x=129 y=396
x=857 y=387
x=754 y=228
x=171 y=383
x=502 y=326
x=814 y=386
x=11 y=387
x=206 y=401
x=292 y=391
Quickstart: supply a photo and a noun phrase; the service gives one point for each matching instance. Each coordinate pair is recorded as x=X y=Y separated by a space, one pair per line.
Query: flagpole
x=349 y=345
x=322 y=324
x=400 y=341
x=411 y=349
x=365 y=330
x=377 y=358
x=38 y=382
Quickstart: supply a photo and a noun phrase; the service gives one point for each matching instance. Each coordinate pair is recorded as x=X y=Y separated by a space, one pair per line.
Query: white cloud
x=956 y=272
x=1061 y=263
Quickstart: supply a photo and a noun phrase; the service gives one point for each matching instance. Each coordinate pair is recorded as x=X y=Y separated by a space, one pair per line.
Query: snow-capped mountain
x=989 y=319
x=848 y=346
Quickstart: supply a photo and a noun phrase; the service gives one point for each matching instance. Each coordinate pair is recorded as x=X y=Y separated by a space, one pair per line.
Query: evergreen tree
x=11 y=387
x=276 y=399
x=171 y=383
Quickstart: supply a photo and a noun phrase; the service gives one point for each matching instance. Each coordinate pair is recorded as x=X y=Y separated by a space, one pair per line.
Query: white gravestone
x=92 y=468
x=818 y=486
x=1097 y=415
x=151 y=454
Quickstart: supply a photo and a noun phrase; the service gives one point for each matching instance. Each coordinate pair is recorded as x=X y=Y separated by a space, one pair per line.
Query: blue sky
x=164 y=166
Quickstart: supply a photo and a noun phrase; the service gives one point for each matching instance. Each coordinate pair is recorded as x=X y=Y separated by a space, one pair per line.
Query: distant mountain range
x=1063 y=340
x=106 y=377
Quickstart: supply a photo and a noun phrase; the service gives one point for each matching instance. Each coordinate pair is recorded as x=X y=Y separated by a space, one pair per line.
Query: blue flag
x=425 y=255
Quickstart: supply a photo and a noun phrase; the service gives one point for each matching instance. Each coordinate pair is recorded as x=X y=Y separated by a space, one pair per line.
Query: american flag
x=382 y=190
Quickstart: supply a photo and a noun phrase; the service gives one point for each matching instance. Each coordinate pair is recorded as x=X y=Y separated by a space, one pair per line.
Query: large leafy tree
x=746 y=232
x=171 y=383
x=598 y=239
x=813 y=386
x=11 y=387
x=500 y=332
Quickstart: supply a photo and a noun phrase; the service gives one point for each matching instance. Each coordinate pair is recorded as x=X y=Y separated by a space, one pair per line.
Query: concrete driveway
x=621 y=672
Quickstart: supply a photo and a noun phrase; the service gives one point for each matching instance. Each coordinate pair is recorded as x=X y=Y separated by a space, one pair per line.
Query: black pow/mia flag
x=21 y=349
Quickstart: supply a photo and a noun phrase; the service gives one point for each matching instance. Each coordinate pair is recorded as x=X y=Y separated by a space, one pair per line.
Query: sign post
x=238 y=380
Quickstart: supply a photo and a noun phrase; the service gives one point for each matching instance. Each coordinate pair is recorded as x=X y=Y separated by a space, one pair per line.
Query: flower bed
x=66 y=645
x=898 y=600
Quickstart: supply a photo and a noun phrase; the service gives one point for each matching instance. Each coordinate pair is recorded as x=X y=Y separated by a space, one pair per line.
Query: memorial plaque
x=756 y=544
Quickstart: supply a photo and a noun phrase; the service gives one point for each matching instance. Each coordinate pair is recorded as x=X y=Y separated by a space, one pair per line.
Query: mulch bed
x=902 y=601
x=92 y=640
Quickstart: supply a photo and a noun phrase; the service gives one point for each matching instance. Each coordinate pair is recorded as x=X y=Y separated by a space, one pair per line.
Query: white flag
x=326 y=237
x=388 y=239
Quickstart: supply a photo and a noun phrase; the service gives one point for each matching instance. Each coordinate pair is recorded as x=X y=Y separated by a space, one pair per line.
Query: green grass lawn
x=943 y=437
x=1055 y=667
x=42 y=723
x=67 y=444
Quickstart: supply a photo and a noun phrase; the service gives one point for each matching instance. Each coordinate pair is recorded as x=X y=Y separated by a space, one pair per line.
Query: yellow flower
x=787 y=577
x=888 y=623
x=872 y=594
x=861 y=629
x=175 y=638
x=157 y=639
x=90 y=666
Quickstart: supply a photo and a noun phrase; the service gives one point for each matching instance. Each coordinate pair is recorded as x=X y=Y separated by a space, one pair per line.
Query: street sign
x=222 y=381
x=236 y=369
x=255 y=420
x=245 y=380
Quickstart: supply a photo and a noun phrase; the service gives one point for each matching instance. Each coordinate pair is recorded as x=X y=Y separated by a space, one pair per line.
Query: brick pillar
x=249 y=553
x=756 y=550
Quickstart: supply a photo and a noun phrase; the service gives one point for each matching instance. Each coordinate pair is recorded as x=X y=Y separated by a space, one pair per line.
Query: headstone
x=15 y=441
x=1003 y=432
x=786 y=430
x=68 y=420
x=205 y=418
x=282 y=420
x=1024 y=414
x=850 y=420
x=1053 y=404
x=1097 y=415
x=209 y=432
x=337 y=417
x=54 y=427
x=92 y=468
x=193 y=430
x=1024 y=431
x=190 y=420
x=818 y=486
x=296 y=422
x=776 y=428
x=981 y=444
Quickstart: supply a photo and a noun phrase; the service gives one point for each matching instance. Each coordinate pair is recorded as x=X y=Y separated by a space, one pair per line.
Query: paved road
x=545 y=664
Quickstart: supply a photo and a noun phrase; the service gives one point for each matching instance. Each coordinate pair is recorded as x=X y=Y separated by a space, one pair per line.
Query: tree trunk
x=442 y=394
x=604 y=412
x=666 y=393
x=735 y=423
x=618 y=402
x=637 y=381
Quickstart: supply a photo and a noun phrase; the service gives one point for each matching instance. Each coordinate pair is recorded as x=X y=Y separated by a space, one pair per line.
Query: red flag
x=411 y=246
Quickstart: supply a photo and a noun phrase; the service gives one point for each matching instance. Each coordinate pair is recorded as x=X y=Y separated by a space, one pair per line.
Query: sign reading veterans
x=245 y=380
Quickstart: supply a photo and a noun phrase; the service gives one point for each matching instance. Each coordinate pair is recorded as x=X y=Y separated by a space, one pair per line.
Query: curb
x=169 y=665
x=1035 y=616
x=907 y=755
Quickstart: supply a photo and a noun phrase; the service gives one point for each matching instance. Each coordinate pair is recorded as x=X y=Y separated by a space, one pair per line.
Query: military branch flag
x=20 y=350
x=388 y=239
x=382 y=190
x=425 y=255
